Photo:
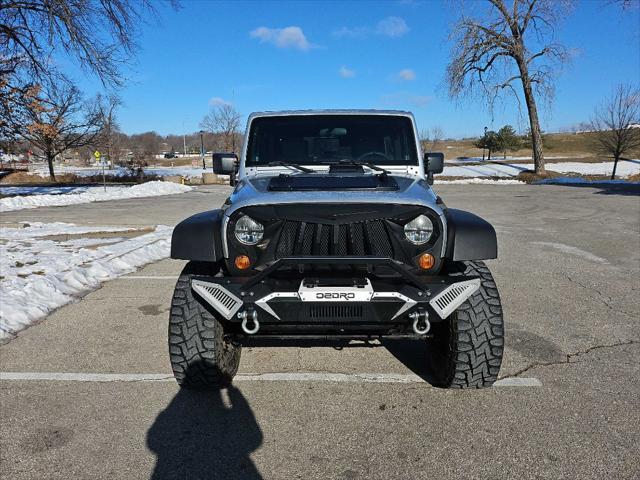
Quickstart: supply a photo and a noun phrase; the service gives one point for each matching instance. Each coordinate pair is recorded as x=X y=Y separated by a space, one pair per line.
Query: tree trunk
x=488 y=155
x=50 y=158
x=615 y=166
x=534 y=123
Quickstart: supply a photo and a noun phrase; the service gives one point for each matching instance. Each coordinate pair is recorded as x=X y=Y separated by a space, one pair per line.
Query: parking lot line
x=248 y=377
x=150 y=277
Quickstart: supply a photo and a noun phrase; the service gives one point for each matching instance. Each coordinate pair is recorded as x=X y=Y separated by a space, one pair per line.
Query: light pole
x=202 y=148
x=485 y=141
x=184 y=139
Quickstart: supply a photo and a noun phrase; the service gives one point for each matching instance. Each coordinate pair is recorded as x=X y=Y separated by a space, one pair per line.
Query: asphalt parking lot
x=569 y=277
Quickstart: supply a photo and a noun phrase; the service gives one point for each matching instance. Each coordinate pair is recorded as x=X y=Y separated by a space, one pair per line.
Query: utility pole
x=184 y=140
x=202 y=148
x=485 y=139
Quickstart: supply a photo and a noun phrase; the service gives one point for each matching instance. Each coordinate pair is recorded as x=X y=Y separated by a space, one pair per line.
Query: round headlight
x=248 y=231
x=419 y=230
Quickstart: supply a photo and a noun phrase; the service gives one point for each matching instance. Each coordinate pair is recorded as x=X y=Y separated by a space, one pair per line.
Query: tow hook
x=250 y=324
x=421 y=323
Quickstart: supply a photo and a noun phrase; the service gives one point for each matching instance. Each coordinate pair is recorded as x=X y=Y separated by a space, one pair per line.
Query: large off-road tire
x=200 y=357
x=466 y=348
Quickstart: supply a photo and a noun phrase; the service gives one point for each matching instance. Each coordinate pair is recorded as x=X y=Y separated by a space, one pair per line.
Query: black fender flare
x=198 y=237
x=469 y=237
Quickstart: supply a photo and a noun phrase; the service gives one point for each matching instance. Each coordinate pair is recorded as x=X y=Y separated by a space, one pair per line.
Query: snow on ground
x=501 y=169
x=91 y=194
x=44 y=190
x=479 y=181
x=461 y=168
x=625 y=169
x=499 y=159
x=39 y=274
x=185 y=171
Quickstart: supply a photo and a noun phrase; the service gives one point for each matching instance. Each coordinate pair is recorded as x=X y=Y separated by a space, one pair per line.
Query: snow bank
x=92 y=194
x=39 y=275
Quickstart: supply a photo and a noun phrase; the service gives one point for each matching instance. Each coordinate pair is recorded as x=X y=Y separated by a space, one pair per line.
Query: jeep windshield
x=327 y=139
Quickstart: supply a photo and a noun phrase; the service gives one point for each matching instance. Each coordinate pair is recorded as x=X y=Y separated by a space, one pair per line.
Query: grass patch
x=529 y=176
x=576 y=147
x=69 y=179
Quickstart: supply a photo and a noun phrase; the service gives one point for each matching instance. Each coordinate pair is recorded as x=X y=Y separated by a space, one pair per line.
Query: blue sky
x=296 y=55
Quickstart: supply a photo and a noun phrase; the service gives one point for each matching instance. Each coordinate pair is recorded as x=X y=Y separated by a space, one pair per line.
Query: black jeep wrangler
x=333 y=232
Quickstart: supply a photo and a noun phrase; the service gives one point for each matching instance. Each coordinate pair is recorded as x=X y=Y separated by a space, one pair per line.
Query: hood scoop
x=343 y=180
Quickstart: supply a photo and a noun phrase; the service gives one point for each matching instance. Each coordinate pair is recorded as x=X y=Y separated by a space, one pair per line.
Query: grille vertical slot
x=360 y=238
x=338 y=312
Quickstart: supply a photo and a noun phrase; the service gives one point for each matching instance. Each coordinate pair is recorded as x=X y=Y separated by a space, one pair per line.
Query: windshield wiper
x=292 y=165
x=372 y=166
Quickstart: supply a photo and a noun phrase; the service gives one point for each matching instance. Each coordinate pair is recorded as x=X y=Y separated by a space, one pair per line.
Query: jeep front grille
x=368 y=238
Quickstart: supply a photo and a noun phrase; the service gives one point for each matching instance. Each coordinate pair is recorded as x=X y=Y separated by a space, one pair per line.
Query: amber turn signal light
x=426 y=261
x=242 y=262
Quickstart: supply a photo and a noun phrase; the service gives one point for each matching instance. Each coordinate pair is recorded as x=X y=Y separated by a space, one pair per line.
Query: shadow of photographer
x=202 y=434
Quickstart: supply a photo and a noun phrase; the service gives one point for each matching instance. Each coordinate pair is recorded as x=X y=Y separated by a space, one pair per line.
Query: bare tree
x=617 y=124
x=505 y=44
x=109 y=136
x=59 y=121
x=430 y=137
x=625 y=4
x=99 y=35
x=223 y=120
x=146 y=145
x=13 y=109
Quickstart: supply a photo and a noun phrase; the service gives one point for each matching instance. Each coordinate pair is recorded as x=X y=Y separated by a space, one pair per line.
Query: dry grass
x=529 y=176
x=24 y=178
x=634 y=178
x=579 y=147
x=63 y=179
x=177 y=162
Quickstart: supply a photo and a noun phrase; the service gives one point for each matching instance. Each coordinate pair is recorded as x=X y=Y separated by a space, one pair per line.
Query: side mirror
x=225 y=163
x=434 y=163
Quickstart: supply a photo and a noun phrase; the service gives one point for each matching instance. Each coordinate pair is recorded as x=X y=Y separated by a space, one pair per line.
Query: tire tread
x=200 y=357
x=473 y=335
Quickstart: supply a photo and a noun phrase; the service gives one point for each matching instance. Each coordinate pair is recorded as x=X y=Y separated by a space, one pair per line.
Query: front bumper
x=345 y=305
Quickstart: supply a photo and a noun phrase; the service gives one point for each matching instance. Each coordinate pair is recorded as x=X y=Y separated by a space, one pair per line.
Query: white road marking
x=86 y=377
x=248 y=377
x=150 y=277
x=572 y=251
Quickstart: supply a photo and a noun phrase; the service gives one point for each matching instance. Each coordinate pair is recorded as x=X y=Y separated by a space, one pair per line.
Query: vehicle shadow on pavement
x=613 y=189
x=202 y=434
x=413 y=355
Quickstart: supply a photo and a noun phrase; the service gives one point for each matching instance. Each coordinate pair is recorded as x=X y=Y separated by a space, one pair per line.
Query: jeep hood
x=254 y=190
